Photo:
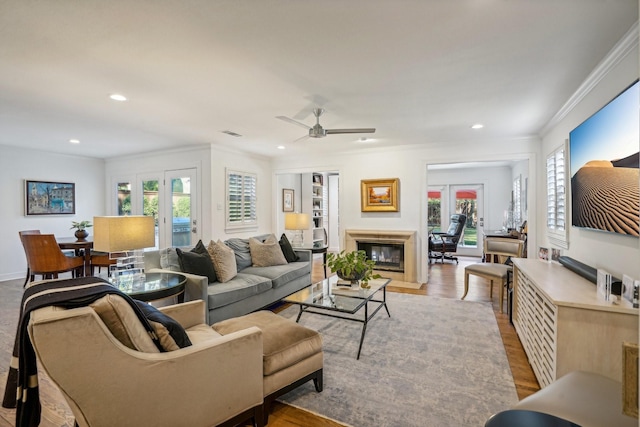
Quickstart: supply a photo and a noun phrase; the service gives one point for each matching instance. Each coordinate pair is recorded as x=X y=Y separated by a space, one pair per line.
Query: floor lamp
x=124 y=237
x=296 y=222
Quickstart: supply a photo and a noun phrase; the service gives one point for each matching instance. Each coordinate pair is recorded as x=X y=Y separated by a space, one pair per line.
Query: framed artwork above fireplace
x=379 y=195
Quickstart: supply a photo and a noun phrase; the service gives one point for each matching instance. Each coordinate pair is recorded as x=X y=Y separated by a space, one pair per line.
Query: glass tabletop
x=148 y=285
x=327 y=295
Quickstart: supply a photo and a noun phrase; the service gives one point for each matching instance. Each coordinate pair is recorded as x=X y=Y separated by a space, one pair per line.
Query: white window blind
x=241 y=200
x=556 y=197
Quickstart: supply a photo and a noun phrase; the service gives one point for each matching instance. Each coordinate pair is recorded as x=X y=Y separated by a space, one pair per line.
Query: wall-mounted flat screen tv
x=605 y=184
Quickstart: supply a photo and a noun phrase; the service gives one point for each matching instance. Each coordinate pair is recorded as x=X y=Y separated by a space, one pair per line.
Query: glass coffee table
x=328 y=299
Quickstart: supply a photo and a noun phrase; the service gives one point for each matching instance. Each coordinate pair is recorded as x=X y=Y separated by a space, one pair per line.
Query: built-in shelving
x=314 y=202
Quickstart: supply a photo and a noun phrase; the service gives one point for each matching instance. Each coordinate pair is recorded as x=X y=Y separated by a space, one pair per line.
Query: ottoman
x=292 y=354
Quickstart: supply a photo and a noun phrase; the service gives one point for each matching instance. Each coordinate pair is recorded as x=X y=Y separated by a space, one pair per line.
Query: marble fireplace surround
x=407 y=238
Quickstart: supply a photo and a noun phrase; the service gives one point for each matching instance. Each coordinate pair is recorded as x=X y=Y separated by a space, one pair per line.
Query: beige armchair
x=216 y=381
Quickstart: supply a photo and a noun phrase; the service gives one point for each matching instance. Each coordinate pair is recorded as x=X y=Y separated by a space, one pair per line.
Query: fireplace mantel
x=405 y=237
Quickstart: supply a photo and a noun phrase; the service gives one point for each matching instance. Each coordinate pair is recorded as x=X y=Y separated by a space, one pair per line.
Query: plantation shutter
x=556 y=198
x=241 y=200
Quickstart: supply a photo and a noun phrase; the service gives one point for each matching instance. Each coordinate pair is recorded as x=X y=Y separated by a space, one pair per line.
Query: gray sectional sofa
x=251 y=289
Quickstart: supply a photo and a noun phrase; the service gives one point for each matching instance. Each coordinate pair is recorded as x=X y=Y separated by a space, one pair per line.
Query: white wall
x=618 y=254
x=130 y=167
x=16 y=165
x=290 y=181
x=409 y=164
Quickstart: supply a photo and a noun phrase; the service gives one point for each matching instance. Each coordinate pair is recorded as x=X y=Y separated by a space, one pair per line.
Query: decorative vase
x=81 y=234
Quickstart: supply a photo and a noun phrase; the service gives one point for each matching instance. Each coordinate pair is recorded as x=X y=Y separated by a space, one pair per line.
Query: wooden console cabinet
x=564 y=326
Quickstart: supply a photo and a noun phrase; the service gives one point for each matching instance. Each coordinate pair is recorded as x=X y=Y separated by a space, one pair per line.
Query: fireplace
x=395 y=251
x=387 y=256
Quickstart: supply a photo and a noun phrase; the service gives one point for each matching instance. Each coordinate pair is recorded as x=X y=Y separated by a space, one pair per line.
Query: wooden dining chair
x=44 y=257
x=29 y=275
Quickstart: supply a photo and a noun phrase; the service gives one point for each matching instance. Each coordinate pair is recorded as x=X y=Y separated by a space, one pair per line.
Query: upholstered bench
x=292 y=354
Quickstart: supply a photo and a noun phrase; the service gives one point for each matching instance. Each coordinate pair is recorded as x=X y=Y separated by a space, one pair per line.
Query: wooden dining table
x=80 y=247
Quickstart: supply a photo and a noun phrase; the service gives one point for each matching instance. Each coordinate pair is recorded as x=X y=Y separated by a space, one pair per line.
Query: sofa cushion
x=224 y=261
x=171 y=333
x=287 y=249
x=197 y=263
x=281 y=274
x=267 y=253
x=201 y=333
x=242 y=286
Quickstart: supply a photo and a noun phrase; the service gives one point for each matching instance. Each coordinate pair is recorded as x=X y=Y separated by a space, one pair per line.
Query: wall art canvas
x=379 y=195
x=50 y=198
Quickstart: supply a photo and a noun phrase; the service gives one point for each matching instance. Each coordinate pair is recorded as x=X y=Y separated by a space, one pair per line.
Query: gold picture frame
x=379 y=195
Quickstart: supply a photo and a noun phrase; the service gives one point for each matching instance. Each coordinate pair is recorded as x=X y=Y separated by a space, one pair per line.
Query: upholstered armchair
x=217 y=380
x=442 y=245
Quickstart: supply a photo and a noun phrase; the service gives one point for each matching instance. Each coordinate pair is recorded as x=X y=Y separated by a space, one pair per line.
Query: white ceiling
x=420 y=71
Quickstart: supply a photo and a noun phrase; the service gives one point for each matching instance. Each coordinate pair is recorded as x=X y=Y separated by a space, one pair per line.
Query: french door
x=170 y=197
x=467 y=200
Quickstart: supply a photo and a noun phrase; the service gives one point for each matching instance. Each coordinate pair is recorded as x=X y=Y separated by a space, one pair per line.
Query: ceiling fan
x=317 y=131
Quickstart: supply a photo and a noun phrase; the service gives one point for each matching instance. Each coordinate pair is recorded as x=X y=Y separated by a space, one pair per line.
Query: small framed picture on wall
x=287 y=200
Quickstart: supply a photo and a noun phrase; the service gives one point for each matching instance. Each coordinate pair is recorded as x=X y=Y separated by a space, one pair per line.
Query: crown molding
x=628 y=43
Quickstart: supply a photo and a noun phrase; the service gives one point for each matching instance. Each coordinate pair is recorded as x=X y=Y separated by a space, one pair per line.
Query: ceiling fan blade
x=294 y=122
x=361 y=130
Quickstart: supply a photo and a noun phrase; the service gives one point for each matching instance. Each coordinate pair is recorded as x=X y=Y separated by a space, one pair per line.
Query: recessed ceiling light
x=477 y=126
x=117 y=97
x=366 y=140
x=74 y=141
x=281 y=147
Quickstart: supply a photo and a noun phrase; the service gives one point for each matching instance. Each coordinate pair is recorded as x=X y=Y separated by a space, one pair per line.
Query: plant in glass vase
x=81 y=226
x=352 y=266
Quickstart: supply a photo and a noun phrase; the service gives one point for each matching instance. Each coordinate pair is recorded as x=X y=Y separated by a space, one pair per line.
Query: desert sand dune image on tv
x=604 y=165
x=605 y=195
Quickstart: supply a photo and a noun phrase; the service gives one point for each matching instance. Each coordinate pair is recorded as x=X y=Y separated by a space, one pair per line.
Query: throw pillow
x=224 y=261
x=199 y=248
x=241 y=250
x=266 y=254
x=169 y=259
x=171 y=333
x=287 y=249
x=197 y=263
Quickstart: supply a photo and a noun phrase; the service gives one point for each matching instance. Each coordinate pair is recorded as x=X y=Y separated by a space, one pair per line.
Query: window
x=556 y=198
x=241 y=200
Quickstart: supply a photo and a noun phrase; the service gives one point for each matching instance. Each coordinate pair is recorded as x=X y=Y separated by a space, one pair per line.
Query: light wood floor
x=445 y=280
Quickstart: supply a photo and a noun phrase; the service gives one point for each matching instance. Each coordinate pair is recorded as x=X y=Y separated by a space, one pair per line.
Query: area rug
x=435 y=362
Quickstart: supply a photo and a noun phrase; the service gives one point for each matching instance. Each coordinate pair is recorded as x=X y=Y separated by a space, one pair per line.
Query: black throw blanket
x=21 y=391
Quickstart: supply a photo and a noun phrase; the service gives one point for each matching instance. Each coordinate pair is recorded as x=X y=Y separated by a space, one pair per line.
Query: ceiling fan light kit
x=317 y=131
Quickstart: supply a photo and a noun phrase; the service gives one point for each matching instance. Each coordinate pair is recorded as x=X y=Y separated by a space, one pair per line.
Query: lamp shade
x=123 y=233
x=296 y=221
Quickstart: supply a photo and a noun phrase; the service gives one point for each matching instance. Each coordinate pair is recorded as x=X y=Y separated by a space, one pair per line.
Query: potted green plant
x=81 y=226
x=352 y=266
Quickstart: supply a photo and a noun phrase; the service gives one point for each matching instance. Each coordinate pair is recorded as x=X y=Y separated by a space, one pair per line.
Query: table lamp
x=296 y=222
x=124 y=237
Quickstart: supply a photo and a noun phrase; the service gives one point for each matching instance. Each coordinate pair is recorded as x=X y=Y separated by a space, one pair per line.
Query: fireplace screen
x=387 y=256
